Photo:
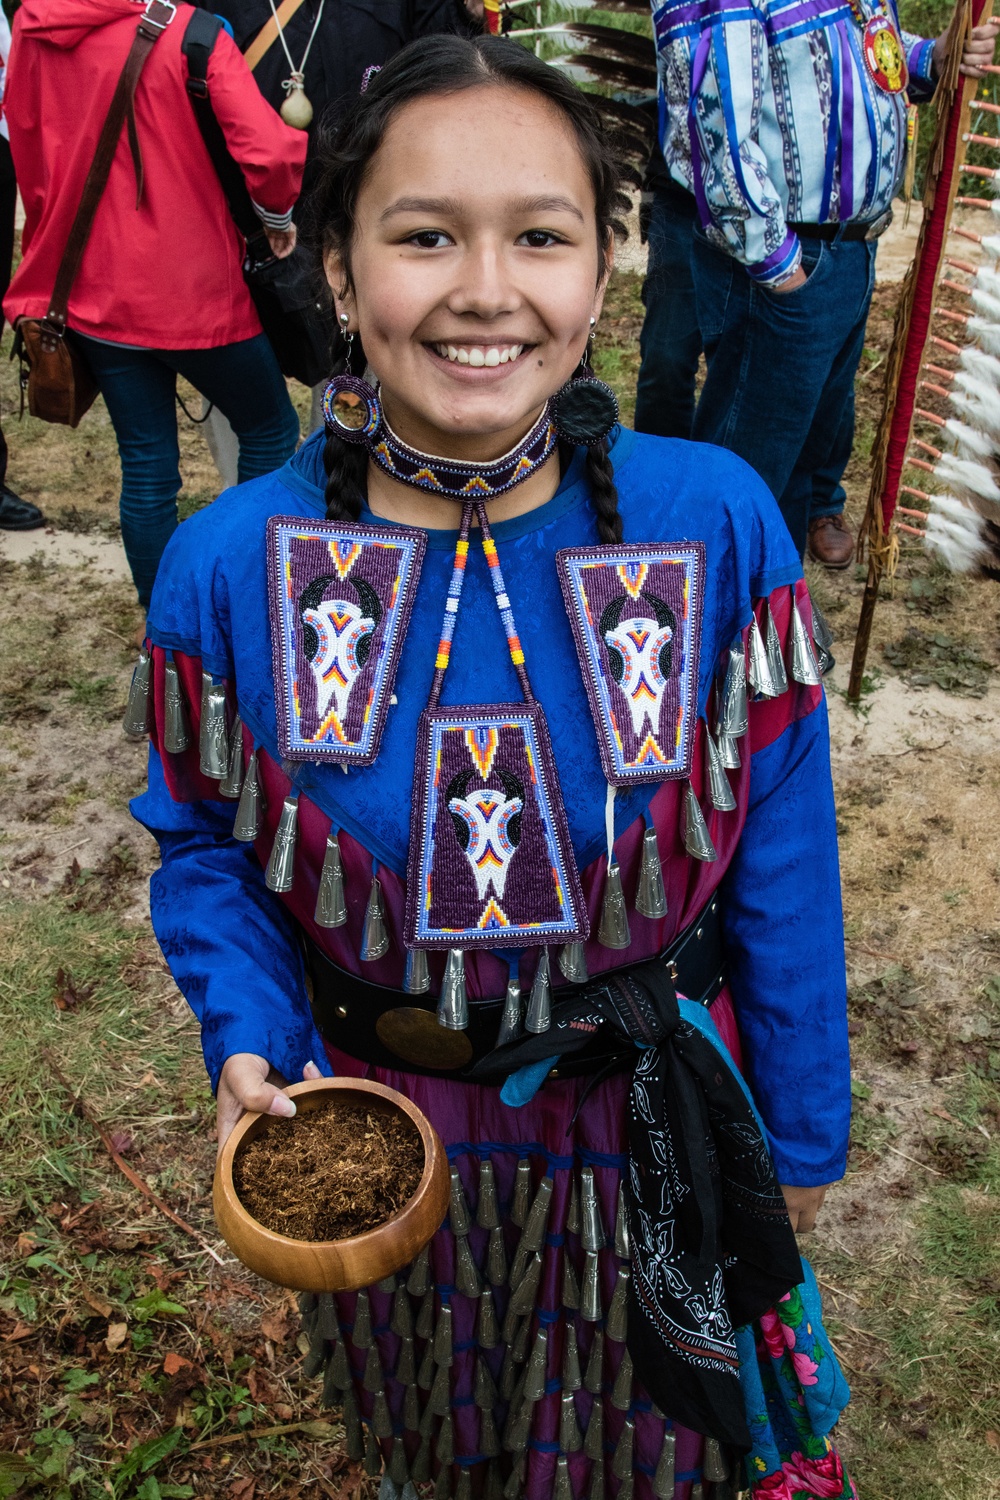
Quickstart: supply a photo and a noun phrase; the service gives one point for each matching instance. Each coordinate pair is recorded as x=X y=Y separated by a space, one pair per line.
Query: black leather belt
x=391 y=1029
x=870 y=231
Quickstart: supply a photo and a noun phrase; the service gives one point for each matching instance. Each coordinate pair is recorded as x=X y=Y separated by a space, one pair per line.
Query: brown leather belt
x=388 y=1028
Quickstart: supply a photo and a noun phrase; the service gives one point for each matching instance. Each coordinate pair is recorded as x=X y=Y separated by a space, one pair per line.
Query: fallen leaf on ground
x=993 y=1440
x=68 y=994
x=283 y=1410
x=102 y=1308
x=242 y=1489
x=116 y=1336
x=26 y=1245
x=19 y=1331
x=121 y=1141
x=173 y=1362
x=276 y=1326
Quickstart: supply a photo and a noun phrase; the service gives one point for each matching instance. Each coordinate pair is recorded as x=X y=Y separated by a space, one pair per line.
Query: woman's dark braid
x=346 y=466
x=603 y=494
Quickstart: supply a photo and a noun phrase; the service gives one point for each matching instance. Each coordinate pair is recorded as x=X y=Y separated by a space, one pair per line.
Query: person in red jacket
x=160 y=291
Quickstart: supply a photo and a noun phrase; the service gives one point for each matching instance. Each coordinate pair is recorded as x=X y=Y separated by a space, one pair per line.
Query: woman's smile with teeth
x=478 y=355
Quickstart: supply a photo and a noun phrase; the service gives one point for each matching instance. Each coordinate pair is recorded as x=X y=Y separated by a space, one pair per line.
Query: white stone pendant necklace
x=297 y=109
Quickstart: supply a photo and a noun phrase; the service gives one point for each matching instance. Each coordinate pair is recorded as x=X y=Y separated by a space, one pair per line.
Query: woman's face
x=474 y=266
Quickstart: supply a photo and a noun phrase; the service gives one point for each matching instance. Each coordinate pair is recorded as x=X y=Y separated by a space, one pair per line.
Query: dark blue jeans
x=781 y=367
x=138 y=386
x=670 y=342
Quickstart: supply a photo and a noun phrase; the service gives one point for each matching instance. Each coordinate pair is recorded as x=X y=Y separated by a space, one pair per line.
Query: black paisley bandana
x=712 y=1245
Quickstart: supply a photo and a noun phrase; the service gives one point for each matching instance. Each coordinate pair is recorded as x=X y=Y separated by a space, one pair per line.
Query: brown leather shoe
x=831 y=542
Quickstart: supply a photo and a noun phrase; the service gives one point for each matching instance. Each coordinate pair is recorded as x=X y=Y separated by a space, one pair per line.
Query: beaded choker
x=460 y=481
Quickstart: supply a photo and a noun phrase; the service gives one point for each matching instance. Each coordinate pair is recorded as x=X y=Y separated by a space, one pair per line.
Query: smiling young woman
x=582 y=868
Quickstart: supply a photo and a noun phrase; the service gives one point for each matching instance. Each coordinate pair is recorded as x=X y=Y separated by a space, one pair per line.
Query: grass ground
x=133 y=1364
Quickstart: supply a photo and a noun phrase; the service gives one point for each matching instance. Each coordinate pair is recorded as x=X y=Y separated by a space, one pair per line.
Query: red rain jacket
x=165 y=274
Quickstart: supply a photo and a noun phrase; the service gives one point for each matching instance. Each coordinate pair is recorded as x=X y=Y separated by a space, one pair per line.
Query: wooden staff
x=954 y=97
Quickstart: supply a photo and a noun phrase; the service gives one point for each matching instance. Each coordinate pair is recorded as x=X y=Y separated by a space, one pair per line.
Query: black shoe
x=17 y=514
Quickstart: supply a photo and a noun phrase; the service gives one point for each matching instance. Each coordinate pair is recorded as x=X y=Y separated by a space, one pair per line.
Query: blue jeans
x=781 y=367
x=138 y=386
x=670 y=342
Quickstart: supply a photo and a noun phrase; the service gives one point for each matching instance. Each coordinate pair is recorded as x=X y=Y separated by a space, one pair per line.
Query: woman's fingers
x=245 y=1084
x=311 y=1071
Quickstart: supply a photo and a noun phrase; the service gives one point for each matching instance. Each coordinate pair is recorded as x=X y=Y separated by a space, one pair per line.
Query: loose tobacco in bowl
x=329 y=1173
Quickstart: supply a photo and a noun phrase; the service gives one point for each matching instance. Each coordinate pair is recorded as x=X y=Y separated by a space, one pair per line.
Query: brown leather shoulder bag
x=58 y=382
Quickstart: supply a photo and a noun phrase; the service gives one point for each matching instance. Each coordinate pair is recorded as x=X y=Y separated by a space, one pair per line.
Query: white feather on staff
x=985 y=333
x=988 y=280
x=980 y=364
x=985 y=305
x=968 y=475
x=960 y=547
x=978 y=403
x=991 y=245
x=970 y=443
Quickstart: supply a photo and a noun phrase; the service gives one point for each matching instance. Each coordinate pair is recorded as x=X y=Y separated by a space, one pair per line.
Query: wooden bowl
x=335 y=1265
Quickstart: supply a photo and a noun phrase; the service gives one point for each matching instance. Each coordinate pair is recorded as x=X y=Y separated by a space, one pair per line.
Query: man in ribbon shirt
x=783 y=132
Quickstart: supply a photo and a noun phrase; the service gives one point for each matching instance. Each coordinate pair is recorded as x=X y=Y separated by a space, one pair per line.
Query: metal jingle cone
x=522 y=1300
x=426 y=1424
x=663 y=1479
x=593 y=1443
x=416 y=976
x=399 y=1470
x=425 y=1375
x=697 y=1491
x=381 y=1419
x=339 y=1368
x=734 y=719
x=487 y=1208
x=425 y=1316
x=443 y=1354
x=719 y=791
x=354 y=1443
x=308 y=1303
x=570 y=1436
x=213 y=740
x=803 y=666
x=593 y=1379
x=621 y=1391
x=518 y=1266
x=534 y=1374
x=572 y=1378
x=487 y=1332
x=419 y=1280
x=510 y=1020
x=511 y=1324
x=231 y=784
x=496 y=1258
x=331 y=907
x=596 y=1490
x=332 y=1392
x=361 y=1336
x=375 y=936
x=613 y=929
x=621 y=1464
x=326 y=1316
x=618 y=1310
x=518 y=1430
x=316 y=1356
x=401 y=1321
x=563 y=1488
x=519 y=1347
x=535 y=1225
x=489 y=1438
x=570 y=1286
x=373 y=1456
x=139 y=714
x=522 y=1193
x=775 y=660
x=538 y=1017
x=573 y=1212
x=822 y=641
x=590 y=1296
x=280 y=872
x=493 y=1488
x=459 y=1217
x=713 y=1463
x=420 y=1469
x=512 y=1489
x=373 y=1378
x=697 y=839
x=626 y=1490
x=439 y=1399
x=463 y=1489
x=508 y=1380
x=592 y=1231
x=623 y=1246
x=572 y=962
x=466 y=1275
x=484 y=1388
x=406 y=1364
x=729 y=752
x=650 y=896
x=176 y=730
x=760 y=668
x=453 y=1006
x=388 y=1488
x=250 y=812
x=445 y=1446
x=387 y=1285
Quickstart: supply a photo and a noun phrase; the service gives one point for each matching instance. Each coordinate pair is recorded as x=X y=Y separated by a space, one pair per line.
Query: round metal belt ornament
x=415 y=1036
x=884 y=55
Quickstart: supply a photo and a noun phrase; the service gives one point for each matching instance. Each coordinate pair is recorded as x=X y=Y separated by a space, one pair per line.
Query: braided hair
x=448 y=65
